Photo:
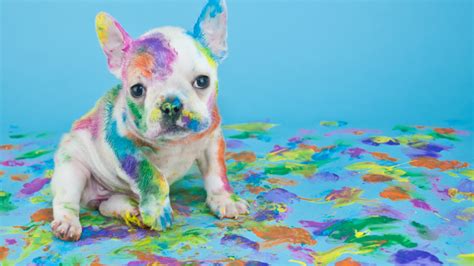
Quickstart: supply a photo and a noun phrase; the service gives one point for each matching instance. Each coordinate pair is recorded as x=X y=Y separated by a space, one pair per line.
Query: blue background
x=292 y=62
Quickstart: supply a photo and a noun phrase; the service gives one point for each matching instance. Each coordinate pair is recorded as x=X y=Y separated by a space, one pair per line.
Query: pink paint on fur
x=90 y=122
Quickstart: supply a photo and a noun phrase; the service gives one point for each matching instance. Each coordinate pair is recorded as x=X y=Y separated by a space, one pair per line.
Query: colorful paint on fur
x=152 y=57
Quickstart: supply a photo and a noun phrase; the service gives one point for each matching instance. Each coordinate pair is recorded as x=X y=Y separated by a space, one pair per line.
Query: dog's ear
x=114 y=41
x=211 y=28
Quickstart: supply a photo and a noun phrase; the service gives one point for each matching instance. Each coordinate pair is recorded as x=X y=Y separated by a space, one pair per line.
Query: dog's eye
x=201 y=82
x=137 y=90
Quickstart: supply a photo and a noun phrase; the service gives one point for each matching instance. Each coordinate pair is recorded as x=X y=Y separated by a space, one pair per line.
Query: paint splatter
x=415 y=257
x=321 y=196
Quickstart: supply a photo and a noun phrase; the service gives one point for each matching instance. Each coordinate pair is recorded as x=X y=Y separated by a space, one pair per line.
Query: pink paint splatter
x=12 y=163
x=421 y=204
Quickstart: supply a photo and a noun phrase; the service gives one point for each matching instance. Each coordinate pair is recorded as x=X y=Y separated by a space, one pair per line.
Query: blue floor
x=329 y=193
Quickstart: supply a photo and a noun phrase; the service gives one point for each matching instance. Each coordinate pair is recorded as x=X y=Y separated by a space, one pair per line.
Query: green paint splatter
x=423 y=231
x=235 y=167
x=346 y=229
x=5 y=202
x=405 y=129
x=18 y=136
x=372 y=242
x=333 y=123
x=250 y=127
x=33 y=154
x=437 y=135
x=302 y=169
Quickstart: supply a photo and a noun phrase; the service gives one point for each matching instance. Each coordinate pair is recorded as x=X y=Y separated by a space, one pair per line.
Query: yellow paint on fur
x=155 y=115
x=102 y=23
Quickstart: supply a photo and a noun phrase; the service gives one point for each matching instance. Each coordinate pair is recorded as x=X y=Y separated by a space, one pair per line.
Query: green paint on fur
x=138 y=114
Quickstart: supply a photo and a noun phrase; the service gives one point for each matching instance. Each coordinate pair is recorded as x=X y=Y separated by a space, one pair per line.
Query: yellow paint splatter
x=324 y=258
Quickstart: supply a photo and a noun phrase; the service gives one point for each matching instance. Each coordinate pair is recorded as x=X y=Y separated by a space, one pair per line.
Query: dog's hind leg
x=119 y=205
x=68 y=182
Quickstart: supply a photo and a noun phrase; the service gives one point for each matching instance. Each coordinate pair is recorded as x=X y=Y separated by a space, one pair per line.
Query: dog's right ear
x=114 y=41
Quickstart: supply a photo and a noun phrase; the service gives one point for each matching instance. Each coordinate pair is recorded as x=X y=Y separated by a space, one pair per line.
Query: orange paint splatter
x=374 y=178
x=395 y=193
x=96 y=262
x=236 y=263
x=143 y=256
x=245 y=156
x=347 y=262
x=7 y=147
x=19 y=177
x=42 y=215
x=3 y=252
x=444 y=130
x=383 y=156
x=433 y=163
x=311 y=147
x=282 y=181
x=255 y=190
x=277 y=235
x=144 y=62
x=2 y=173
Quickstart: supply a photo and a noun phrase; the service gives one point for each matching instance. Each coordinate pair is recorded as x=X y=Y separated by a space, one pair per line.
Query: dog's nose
x=172 y=108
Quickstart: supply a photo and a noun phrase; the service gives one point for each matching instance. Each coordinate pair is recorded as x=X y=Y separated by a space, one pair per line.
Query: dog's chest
x=175 y=160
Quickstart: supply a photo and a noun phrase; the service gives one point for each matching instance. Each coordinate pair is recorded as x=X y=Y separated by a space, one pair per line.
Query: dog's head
x=169 y=75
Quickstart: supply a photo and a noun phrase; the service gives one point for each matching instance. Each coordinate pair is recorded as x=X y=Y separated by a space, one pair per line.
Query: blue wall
x=294 y=62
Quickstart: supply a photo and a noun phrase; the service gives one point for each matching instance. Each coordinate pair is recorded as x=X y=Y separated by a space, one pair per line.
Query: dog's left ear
x=114 y=41
x=211 y=28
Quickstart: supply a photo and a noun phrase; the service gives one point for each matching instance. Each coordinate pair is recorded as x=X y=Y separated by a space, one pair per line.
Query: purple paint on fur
x=129 y=165
x=236 y=240
x=159 y=47
x=415 y=257
x=34 y=186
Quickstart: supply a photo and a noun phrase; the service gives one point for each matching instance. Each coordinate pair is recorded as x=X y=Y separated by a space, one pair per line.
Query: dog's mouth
x=174 y=130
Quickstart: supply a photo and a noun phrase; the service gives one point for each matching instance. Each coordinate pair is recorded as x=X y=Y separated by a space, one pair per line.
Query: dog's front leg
x=68 y=182
x=220 y=197
x=154 y=202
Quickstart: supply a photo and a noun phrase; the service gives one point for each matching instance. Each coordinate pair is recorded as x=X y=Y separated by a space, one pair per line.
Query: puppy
x=145 y=134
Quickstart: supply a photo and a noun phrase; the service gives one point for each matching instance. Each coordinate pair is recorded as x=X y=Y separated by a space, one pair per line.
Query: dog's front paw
x=68 y=229
x=227 y=205
x=157 y=217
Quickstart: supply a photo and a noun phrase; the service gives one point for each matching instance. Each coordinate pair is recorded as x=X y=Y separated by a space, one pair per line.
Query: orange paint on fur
x=144 y=62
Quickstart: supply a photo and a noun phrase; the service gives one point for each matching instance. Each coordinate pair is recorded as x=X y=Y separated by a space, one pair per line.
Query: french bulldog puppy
x=146 y=133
